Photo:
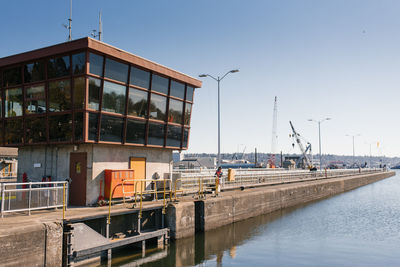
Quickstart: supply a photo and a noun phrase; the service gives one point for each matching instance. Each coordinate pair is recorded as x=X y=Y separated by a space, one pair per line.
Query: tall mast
x=70 y=21
x=100 y=26
x=274 y=139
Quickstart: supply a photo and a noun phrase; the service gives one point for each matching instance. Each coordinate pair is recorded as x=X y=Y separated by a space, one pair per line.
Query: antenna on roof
x=69 y=27
x=94 y=34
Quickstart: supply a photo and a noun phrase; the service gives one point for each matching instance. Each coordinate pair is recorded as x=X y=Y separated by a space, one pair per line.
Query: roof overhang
x=103 y=48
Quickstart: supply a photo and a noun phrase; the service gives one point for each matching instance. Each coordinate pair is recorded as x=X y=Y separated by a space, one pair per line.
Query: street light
x=319 y=136
x=354 y=162
x=218 y=79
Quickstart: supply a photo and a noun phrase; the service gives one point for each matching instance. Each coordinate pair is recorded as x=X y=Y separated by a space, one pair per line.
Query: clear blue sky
x=338 y=59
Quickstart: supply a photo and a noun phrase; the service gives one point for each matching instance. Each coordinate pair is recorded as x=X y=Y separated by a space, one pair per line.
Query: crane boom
x=296 y=136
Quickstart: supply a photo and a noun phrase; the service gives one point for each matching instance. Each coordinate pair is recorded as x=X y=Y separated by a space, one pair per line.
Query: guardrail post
x=63 y=201
x=29 y=199
x=2 y=187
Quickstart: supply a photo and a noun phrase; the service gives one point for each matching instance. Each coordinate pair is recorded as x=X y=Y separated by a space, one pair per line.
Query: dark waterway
x=357 y=228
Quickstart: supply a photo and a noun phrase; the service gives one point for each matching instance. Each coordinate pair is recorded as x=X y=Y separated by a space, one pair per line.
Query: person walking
x=218 y=175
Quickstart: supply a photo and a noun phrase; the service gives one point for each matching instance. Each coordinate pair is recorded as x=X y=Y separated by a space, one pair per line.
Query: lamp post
x=354 y=162
x=319 y=137
x=218 y=80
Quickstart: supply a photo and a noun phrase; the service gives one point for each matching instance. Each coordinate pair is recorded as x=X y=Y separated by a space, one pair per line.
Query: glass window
x=78 y=63
x=34 y=72
x=59 y=95
x=79 y=93
x=185 y=137
x=60 y=128
x=140 y=77
x=189 y=93
x=94 y=93
x=12 y=77
x=174 y=136
x=58 y=67
x=35 y=99
x=156 y=134
x=93 y=126
x=78 y=120
x=35 y=129
x=111 y=129
x=135 y=131
x=96 y=64
x=137 y=103
x=158 y=107
x=1 y=134
x=113 y=98
x=177 y=89
x=175 y=111
x=159 y=84
x=188 y=113
x=116 y=70
x=13 y=102
x=14 y=133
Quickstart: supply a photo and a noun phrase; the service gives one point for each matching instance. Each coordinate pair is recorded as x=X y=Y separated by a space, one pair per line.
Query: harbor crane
x=307 y=159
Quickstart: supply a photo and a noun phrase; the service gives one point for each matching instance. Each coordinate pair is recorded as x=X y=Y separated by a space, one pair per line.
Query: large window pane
x=116 y=70
x=189 y=93
x=13 y=102
x=78 y=120
x=96 y=64
x=58 y=67
x=14 y=131
x=79 y=93
x=114 y=98
x=135 y=131
x=111 y=129
x=78 y=63
x=93 y=126
x=156 y=134
x=34 y=72
x=174 y=136
x=35 y=128
x=177 y=89
x=185 y=138
x=159 y=84
x=12 y=77
x=158 y=107
x=94 y=93
x=59 y=95
x=140 y=77
x=35 y=100
x=188 y=113
x=175 y=111
x=137 y=103
x=60 y=128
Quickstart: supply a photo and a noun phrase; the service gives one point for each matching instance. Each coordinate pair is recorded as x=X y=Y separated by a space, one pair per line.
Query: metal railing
x=22 y=197
x=204 y=180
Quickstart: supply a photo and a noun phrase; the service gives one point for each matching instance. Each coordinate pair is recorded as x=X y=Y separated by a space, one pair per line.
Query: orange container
x=113 y=182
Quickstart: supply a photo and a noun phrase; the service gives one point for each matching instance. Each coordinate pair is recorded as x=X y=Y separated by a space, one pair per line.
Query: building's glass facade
x=88 y=97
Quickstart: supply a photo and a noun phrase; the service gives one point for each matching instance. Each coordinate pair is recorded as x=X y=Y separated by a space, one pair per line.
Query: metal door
x=78 y=174
x=139 y=166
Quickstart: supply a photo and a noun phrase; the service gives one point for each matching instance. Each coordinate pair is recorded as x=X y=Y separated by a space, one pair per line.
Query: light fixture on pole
x=319 y=137
x=354 y=162
x=218 y=80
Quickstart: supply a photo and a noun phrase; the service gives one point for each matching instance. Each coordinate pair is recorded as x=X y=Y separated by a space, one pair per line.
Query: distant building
x=8 y=162
x=196 y=163
x=77 y=108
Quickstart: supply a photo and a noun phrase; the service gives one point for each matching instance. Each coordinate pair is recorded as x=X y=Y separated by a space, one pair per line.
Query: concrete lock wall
x=239 y=205
x=39 y=244
x=39 y=161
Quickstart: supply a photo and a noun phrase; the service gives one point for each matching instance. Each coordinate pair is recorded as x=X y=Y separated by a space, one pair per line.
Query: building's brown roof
x=102 y=48
x=8 y=152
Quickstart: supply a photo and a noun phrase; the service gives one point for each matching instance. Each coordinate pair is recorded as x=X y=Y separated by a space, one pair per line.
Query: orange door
x=139 y=166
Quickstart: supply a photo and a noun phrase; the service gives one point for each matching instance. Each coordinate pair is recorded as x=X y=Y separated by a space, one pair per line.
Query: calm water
x=357 y=228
